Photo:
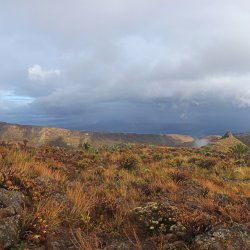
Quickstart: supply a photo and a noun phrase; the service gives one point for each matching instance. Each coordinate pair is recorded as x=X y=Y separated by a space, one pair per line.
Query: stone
x=184 y=236
x=27 y=246
x=7 y=212
x=9 y=231
x=178 y=245
x=227 y=237
x=170 y=237
x=120 y=246
x=13 y=199
x=11 y=204
x=61 y=240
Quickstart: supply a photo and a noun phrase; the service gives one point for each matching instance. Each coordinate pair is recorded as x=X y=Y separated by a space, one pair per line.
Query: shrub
x=207 y=163
x=129 y=161
x=239 y=150
x=25 y=142
x=155 y=218
x=157 y=157
x=86 y=145
x=8 y=174
x=193 y=160
x=196 y=222
x=178 y=176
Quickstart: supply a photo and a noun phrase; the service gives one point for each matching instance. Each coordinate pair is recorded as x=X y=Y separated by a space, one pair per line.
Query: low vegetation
x=147 y=197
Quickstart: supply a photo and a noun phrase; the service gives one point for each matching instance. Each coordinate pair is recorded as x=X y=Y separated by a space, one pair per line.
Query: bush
x=239 y=150
x=8 y=174
x=129 y=161
x=196 y=222
x=207 y=163
x=157 y=157
x=155 y=218
x=179 y=176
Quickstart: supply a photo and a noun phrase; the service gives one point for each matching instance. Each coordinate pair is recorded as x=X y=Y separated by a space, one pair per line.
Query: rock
x=177 y=245
x=61 y=240
x=117 y=245
x=226 y=237
x=44 y=181
x=11 y=199
x=27 y=246
x=170 y=237
x=9 y=231
x=7 y=212
x=11 y=203
x=227 y=135
x=184 y=236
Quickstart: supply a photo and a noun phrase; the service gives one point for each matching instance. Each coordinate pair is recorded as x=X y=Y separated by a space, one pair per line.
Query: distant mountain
x=244 y=137
x=38 y=135
x=224 y=143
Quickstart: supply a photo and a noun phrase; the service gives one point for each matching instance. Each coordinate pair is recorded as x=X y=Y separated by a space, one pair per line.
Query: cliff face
x=37 y=135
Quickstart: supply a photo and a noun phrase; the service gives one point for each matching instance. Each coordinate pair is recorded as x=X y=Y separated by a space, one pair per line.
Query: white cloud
x=37 y=73
x=243 y=100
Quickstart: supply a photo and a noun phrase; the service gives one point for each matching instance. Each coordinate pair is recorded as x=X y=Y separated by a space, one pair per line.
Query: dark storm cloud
x=153 y=64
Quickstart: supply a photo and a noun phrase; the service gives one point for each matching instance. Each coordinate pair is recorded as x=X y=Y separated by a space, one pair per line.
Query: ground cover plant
x=124 y=196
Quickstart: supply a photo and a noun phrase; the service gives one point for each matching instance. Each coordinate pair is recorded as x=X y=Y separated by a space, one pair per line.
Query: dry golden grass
x=83 y=200
x=224 y=144
x=100 y=188
x=81 y=242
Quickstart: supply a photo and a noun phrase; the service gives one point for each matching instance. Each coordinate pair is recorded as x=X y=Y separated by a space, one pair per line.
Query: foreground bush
x=129 y=161
x=239 y=150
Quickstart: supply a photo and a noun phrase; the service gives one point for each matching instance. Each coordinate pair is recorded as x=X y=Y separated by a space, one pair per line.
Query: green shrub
x=239 y=150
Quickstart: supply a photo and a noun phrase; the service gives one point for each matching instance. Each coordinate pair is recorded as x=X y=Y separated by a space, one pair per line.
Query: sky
x=144 y=66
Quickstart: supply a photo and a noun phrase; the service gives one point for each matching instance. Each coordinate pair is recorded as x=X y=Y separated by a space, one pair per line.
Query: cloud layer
x=150 y=66
x=37 y=73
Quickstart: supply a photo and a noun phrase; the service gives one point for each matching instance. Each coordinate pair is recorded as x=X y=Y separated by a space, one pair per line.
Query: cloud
x=154 y=62
x=37 y=73
x=202 y=142
x=243 y=100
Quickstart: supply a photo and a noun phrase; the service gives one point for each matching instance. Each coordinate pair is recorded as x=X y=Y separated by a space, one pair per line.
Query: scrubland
x=134 y=196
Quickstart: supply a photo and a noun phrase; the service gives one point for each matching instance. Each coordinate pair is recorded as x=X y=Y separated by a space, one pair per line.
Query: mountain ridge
x=39 y=135
x=225 y=143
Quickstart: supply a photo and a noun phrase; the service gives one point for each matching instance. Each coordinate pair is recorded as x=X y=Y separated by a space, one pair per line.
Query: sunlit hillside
x=225 y=143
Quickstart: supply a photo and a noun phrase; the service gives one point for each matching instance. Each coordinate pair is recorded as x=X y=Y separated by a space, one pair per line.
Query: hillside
x=225 y=143
x=244 y=137
x=131 y=197
x=37 y=136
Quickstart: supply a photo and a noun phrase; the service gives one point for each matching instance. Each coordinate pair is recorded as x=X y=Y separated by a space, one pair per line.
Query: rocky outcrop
x=11 y=203
x=11 y=199
x=9 y=231
x=233 y=237
x=227 y=135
